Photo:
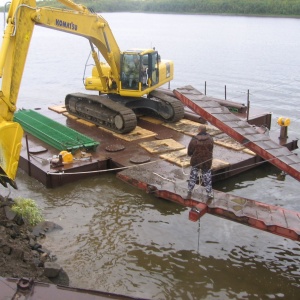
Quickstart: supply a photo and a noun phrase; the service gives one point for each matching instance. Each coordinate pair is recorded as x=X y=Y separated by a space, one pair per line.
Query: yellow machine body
x=141 y=71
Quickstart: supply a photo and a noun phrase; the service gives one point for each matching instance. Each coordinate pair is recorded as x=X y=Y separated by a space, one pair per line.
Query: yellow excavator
x=123 y=80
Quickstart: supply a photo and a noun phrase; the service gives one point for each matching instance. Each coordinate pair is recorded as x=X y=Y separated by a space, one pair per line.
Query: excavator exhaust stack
x=10 y=146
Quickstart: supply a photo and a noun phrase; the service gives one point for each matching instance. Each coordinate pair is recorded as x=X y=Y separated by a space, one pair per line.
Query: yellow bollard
x=283 y=123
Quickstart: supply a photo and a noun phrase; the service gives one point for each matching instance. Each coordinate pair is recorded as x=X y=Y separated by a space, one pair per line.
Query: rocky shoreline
x=21 y=252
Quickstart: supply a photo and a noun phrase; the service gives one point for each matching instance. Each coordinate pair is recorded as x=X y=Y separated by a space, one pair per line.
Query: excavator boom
x=13 y=54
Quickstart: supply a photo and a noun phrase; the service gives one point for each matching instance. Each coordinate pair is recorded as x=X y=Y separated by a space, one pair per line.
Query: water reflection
x=118 y=239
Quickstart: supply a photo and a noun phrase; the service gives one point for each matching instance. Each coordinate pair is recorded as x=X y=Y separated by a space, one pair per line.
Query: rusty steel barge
x=153 y=156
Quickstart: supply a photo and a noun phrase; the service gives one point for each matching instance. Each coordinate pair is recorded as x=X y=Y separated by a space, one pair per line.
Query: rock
x=10 y=215
x=17 y=254
x=36 y=261
x=61 y=279
x=35 y=253
x=17 y=259
x=6 y=249
x=51 y=269
x=2 y=231
x=37 y=246
x=43 y=250
x=32 y=242
x=44 y=257
x=44 y=227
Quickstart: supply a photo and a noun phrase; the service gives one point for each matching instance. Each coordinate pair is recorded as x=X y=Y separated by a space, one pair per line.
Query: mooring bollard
x=283 y=123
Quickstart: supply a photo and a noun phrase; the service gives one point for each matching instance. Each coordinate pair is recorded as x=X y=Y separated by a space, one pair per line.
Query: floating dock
x=273 y=219
x=157 y=150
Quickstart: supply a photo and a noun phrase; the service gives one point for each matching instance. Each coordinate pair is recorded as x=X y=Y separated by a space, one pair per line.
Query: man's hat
x=202 y=128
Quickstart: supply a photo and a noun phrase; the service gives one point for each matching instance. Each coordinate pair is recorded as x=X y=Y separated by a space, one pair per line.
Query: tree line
x=233 y=7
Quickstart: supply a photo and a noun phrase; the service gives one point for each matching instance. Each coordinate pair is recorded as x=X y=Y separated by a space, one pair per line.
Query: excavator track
x=157 y=104
x=101 y=111
x=170 y=109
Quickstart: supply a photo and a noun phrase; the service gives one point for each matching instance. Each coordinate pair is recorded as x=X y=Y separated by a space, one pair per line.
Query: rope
x=242 y=167
x=103 y=171
x=147 y=163
x=198 y=246
x=163 y=177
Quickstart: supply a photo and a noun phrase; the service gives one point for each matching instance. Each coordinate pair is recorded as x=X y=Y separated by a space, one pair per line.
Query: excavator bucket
x=11 y=134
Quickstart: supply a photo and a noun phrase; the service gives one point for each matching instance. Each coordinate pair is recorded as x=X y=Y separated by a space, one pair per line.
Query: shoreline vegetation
x=276 y=8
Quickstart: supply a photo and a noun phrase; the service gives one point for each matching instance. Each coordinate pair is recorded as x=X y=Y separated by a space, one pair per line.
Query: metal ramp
x=53 y=133
x=262 y=216
x=240 y=130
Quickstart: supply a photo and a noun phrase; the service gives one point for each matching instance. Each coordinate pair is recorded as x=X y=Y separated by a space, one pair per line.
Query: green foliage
x=233 y=7
x=28 y=210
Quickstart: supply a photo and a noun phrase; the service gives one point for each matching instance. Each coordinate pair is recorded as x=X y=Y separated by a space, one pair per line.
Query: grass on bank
x=28 y=210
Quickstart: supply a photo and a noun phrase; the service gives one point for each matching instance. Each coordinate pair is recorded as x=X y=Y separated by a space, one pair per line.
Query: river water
x=118 y=239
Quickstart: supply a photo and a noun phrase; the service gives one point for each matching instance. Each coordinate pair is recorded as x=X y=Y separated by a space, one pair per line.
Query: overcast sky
x=2 y=2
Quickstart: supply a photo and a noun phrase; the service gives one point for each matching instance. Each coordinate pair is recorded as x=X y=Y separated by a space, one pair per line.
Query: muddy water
x=118 y=239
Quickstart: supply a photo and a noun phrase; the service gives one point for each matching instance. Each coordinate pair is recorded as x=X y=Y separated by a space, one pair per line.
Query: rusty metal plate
x=136 y=134
x=139 y=159
x=37 y=149
x=161 y=146
x=163 y=136
x=114 y=148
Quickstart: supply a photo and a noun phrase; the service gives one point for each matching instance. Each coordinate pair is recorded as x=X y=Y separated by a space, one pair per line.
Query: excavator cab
x=139 y=70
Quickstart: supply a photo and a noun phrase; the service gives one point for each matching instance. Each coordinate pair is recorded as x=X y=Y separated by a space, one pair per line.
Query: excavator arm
x=22 y=16
x=80 y=21
x=12 y=60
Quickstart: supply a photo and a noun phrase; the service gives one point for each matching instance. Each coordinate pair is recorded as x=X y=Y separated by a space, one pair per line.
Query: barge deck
x=158 y=149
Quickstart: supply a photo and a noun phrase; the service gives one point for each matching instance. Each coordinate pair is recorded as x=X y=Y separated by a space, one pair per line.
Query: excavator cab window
x=130 y=70
x=145 y=71
x=153 y=72
x=139 y=71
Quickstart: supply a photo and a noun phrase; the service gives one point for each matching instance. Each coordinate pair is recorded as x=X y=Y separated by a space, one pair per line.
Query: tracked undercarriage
x=101 y=111
x=119 y=113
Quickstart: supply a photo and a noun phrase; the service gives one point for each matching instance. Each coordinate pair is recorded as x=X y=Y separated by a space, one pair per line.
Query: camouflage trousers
x=205 y=176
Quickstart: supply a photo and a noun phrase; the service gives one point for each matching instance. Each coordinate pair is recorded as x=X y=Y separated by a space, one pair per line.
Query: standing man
x=200 y=149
